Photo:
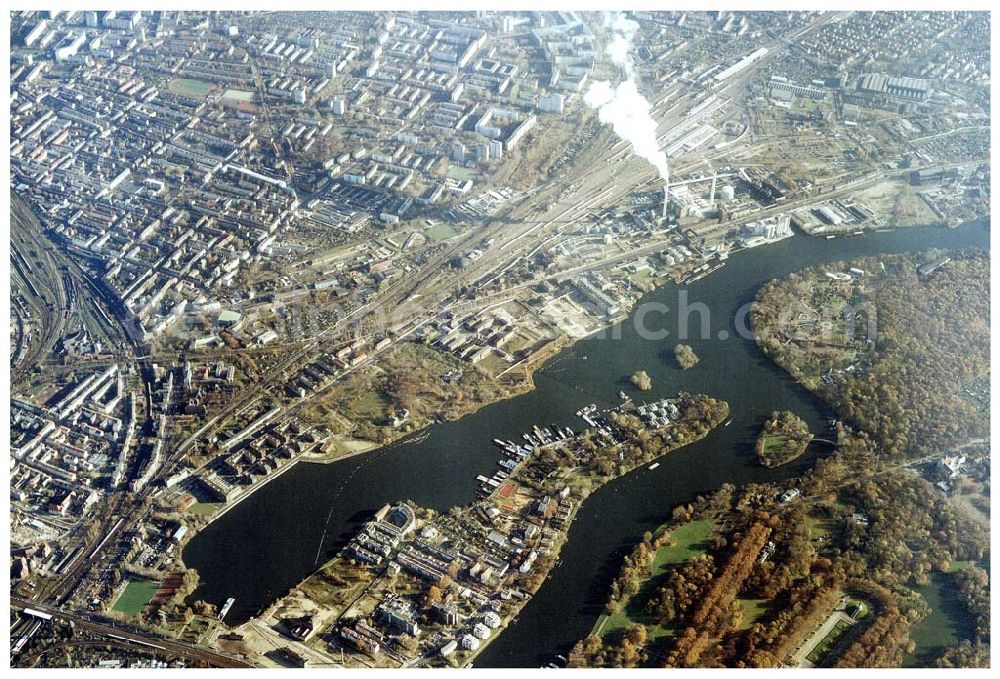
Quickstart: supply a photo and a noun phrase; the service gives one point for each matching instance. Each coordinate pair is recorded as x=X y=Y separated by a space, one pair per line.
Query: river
x=282 y=533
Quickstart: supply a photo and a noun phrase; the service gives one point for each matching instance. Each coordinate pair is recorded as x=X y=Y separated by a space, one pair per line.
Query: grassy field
x=372 y=406
x=238 y=95
x=780 y=449
x=753 y=609
x=189 y=88
x=686 y=543
x=819 y=528
x=408 y=376
x=205 y=508
x=136 y=595
x=774 y=443
x=440 y=232
x=462 y=173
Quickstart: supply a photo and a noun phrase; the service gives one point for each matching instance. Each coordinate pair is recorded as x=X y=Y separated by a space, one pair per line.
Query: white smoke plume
x=622 y=106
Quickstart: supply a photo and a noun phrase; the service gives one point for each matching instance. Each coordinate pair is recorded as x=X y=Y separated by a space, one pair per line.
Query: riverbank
x=266 y=548
x=527 y=520
x=714 y=422
x=343 y=447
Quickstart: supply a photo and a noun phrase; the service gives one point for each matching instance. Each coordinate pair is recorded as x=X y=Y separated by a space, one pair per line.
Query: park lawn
x=204 y=508
x=440 y=232
x=632 y=614
x=818 y=527
x=136 y=596
x=776 y=448
x=686 y=543
x=774 y=443
x=370 y=406
x=753 y=609
x=462 y=173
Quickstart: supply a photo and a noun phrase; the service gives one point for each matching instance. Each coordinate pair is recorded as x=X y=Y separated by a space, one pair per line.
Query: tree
x=642 y=381
x=636 y=634
x=685 y=356
x=204 y=609
x=432 y=595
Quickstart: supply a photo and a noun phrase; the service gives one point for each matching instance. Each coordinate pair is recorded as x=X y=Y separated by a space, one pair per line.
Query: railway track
x=127 y=635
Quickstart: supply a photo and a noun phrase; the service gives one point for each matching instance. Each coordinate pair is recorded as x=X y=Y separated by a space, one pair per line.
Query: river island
x=415 y=588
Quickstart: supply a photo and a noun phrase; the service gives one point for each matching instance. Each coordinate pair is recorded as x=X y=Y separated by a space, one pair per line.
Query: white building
x=552 y=103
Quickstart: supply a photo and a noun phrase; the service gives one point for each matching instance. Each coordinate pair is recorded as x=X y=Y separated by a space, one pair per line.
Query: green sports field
x=136 y=596
x=189 y=88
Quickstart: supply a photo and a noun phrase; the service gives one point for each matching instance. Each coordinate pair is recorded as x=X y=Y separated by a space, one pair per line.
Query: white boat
x=654 y=466
x=226 y=607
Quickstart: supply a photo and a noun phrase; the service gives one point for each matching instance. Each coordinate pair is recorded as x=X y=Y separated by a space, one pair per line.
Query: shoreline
x=567 y=342
x=572 y=341
x=511 y=618
x=569 y=525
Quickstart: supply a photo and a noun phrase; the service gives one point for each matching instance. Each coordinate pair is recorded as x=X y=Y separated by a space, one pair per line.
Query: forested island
x=891 y=343
x=641 y=380
x=823 y=570
x=784 y=437
x=685 y=356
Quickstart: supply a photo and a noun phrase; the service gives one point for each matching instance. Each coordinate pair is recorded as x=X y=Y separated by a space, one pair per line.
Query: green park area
x=785 y=437
x=687 y=542
x=188 y=87
x=136 y=596
x=753 y=609
x=440 y=232
x=462 y=173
